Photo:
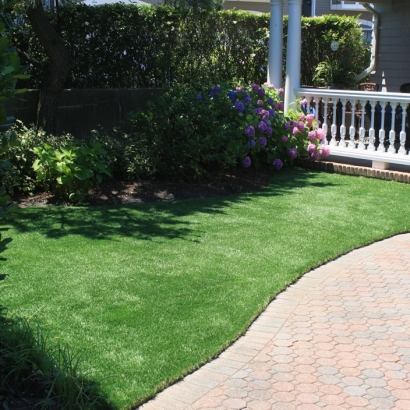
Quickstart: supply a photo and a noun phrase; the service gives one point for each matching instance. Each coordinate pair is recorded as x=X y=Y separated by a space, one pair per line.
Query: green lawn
x=148 y=292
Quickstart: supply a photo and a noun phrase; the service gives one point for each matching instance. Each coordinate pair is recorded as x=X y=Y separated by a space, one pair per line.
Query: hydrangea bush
x=265 y=133
x=191 y=132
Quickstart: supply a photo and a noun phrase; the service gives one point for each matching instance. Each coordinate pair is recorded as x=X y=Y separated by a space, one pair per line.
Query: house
x=310 y=8
x=385 y=141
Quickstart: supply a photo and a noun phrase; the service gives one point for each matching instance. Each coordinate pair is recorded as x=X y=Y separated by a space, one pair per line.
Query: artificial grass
x=148 y=292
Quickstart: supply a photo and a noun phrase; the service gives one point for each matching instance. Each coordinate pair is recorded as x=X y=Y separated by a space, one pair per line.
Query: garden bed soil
x=110 y=191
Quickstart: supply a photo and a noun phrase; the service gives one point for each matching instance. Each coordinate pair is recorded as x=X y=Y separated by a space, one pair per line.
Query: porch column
x=275 y=43
x=293 y=52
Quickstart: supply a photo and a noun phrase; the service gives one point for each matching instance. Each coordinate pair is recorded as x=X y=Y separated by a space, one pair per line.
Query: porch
x=360 y=125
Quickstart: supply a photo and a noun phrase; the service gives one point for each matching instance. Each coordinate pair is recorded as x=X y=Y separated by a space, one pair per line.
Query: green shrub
x=124 y=46
x=20 y=177
x=70 y=170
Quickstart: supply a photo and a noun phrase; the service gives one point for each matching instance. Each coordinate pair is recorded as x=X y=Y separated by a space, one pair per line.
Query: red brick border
x=359 y=170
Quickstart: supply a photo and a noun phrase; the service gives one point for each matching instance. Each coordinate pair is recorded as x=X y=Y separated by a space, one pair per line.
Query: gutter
x=375 y=40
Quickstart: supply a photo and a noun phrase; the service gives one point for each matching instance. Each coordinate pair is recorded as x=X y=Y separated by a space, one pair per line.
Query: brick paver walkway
x=339 y=338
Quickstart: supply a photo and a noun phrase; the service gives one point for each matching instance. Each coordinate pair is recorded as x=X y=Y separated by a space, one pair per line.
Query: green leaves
x=70 y=170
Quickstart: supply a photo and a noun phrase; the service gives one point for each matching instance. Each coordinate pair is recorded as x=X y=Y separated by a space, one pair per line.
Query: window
x=345 y=5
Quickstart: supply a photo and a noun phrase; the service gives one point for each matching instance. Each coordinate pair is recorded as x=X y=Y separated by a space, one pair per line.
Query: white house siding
x=393 y=55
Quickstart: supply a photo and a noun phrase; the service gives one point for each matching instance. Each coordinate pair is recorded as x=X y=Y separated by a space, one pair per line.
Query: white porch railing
x=363 y=125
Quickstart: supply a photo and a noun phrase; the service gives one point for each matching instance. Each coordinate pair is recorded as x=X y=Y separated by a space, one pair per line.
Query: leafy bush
x=124 y=46
x=190 y=132
x=20 y=176
x=70 y=170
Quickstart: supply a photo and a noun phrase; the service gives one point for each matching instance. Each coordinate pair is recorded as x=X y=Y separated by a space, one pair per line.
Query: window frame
x=343 y=6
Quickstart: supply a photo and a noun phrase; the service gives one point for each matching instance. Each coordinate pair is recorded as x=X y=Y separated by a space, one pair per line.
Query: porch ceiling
x=378 y=2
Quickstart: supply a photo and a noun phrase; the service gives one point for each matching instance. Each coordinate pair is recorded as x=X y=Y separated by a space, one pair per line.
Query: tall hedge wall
x=124 y=46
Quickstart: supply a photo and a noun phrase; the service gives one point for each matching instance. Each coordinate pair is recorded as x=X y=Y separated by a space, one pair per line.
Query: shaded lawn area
x=148 y=292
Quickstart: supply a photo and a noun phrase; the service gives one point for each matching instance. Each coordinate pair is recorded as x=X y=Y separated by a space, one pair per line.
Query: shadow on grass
x=34 y=374
x=151 y=221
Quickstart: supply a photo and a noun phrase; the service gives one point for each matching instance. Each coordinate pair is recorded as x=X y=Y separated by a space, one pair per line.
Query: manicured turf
x=150 y=291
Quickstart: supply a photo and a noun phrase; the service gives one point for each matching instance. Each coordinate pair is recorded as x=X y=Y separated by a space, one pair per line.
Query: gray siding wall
x=393 y=56
x=322 y=7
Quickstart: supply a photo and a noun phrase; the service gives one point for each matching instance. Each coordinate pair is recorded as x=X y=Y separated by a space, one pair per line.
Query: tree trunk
x=56 y=70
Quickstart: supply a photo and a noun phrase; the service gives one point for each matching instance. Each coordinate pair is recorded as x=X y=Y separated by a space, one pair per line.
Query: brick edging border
x=358 y=170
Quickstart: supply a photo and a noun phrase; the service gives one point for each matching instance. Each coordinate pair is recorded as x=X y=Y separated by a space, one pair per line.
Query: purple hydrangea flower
x=281 y=91
x=232 y=96
x=262 y=141
x=256 y=87
x=265 y=115
x=261 y=92
x=250 y=131
x=301 y=126
x=277 y=164
x=268 y=131
x=199 y=97
x=292 y=152
x=251 y=143
x=262 y=126
x=258 y=111
x=247 y=99
x=246 y=162
x=270 y=100
x=287 y=125
x=284 y=138
x=279 y=106
x=239 y=90
x=272 y=113
x=216 y=89
x=239 y=106
x=259 y=102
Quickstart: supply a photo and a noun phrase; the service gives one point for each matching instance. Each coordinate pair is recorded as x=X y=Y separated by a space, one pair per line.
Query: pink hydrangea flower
x=303 y=102
x=281 y=91
x=320 y=134
x=311 y=135
x=302 y=117
x=324 y=150
x=312 y=148
x=295 y=130
x=259 y=102
x=301 y=126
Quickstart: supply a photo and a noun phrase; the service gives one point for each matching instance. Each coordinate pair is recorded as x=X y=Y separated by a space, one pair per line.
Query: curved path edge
x=338 y=338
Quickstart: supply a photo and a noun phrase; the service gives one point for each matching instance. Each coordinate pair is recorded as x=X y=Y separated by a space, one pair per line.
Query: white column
x=275 y=43
x=293 y=52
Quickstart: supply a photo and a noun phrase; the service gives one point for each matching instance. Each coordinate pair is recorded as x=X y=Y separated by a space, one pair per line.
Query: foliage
x=28 y=358
x=188 y=132
x=195 y=5
x=70 y=170
x=352 y=57
x=124 y=46
x=20 y=176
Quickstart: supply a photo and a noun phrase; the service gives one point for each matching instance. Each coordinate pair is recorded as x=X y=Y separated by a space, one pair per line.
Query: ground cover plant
x=148 y=292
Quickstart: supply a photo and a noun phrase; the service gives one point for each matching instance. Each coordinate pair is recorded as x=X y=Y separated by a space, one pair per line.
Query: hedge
x=125 y=46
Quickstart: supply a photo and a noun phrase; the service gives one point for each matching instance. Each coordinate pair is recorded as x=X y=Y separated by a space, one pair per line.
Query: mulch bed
x=110 y=191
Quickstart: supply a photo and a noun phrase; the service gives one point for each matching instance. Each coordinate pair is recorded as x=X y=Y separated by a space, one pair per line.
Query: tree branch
x=29 y=58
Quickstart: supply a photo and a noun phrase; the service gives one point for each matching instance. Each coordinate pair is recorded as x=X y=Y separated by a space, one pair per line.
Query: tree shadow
x=152 y=221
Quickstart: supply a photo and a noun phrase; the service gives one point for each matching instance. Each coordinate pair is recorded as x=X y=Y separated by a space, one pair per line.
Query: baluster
x=402 y=149
x=372 y=131
x=362 y=131
x=342 y=142
x=382 y=132
x=333 y=128
x=316 y=99
x=352 y=130
x=392 y=133
x=324 y=125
